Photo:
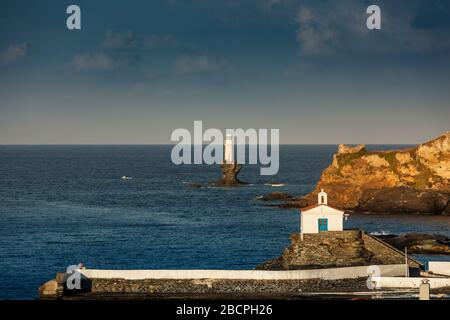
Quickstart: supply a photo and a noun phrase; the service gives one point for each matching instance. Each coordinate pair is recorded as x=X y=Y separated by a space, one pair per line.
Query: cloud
x=119 y=40
x=328 y=30
x=14 y=53
x=315 y=34
x=268 y=5
x=112 y=54
x=201 y=63
x=94 y=61
x=331 y=28
x=155 y=41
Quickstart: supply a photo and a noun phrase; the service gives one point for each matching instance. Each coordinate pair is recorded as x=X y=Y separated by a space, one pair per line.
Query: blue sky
x=139 y=69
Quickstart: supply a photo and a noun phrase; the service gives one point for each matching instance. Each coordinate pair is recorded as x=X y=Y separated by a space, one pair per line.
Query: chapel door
x=323 y=225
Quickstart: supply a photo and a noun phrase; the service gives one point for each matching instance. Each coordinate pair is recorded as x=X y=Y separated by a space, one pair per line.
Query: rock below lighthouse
x=230 y=169
x=229 y=178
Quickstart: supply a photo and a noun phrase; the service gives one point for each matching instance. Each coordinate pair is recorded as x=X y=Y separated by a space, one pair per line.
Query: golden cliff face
x=356 y=171
x=435 y=155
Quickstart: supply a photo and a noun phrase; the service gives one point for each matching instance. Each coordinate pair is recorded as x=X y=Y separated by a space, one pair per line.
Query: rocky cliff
x=413 y=180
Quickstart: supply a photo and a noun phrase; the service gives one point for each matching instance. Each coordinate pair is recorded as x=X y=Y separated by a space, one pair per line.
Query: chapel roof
x=307 y=208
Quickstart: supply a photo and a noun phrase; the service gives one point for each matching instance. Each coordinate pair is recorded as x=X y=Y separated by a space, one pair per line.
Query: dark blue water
x=60 y=205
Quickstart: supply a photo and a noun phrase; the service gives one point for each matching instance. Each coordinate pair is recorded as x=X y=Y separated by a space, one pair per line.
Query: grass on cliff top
x=347 y=158
x=421 y=180
x=390 y=158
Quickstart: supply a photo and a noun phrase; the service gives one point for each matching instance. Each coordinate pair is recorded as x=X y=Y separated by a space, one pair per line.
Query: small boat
x=275 y=184
x=126 y=178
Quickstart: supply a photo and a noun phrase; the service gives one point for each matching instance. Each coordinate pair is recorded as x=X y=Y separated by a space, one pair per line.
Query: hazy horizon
x=205 y=144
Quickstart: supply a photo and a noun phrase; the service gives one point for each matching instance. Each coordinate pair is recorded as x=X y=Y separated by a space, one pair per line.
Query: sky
x=137 y=70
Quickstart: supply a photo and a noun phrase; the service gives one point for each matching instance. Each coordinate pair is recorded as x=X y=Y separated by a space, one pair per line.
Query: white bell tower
x=322 y=197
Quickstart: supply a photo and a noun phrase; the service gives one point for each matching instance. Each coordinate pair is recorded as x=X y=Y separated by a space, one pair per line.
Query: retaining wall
x=411 y=283
x=386 y=253
x=325 y=274
x=439 y=267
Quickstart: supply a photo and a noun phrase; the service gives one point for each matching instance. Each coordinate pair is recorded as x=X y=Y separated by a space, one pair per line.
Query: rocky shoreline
x=419 y=243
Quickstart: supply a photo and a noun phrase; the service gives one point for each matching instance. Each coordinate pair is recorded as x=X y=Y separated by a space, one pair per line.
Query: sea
x=65 y=204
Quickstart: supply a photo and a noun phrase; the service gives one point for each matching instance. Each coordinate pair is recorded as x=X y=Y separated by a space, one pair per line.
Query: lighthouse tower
x=228 y=157
x=230 y=169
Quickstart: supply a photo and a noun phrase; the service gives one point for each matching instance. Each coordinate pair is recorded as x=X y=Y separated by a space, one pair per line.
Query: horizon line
x=174 y=144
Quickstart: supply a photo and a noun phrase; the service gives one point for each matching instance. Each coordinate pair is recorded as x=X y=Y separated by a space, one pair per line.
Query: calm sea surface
x=61 y=205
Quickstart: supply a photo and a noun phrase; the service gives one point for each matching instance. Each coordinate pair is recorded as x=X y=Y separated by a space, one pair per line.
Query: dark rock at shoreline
x=418 y=243
x=277 y=196
x=403 y=200
x=290 y=203
x=297 y=203
x=195 y=185
x=272 y=264
x=446 y=212
x=283 y=200
x=49 y=290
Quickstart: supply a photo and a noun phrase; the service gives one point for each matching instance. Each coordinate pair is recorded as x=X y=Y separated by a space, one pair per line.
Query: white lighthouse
x=229 y=157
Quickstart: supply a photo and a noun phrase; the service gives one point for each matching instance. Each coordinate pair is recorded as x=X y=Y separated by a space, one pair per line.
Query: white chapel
x=321 y=217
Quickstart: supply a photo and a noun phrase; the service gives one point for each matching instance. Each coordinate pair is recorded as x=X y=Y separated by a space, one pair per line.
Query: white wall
x=402 y=282
x=326 y=274
x=439 y=267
